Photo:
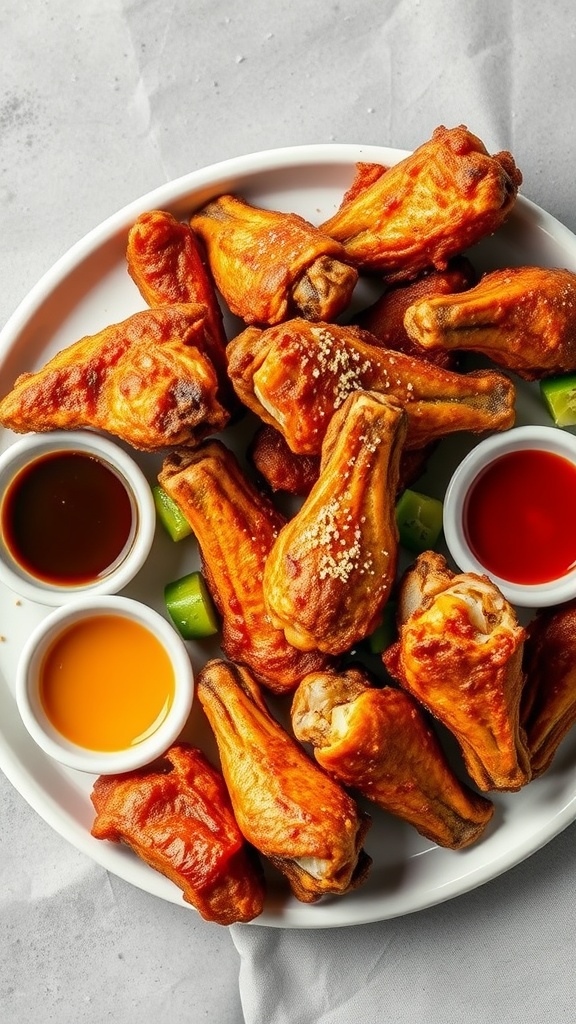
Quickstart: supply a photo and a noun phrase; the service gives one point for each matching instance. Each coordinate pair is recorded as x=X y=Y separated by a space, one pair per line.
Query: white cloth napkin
x=503 y=954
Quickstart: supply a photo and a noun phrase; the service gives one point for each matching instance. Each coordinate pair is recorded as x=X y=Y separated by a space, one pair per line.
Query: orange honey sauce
x=106 y=682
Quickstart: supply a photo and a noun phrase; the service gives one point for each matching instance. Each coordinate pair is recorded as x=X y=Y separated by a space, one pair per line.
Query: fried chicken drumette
x=522 y=318
x=378 y=742
x=385 y=317
x=148 y=380
x=178 y=818
x=331 y=569
x=444 y=197
x=459 y=653
x=236 y=526
x=296 y=375
x=286 y=806
x=270 y=265
x=166 y=262
x=549 y=700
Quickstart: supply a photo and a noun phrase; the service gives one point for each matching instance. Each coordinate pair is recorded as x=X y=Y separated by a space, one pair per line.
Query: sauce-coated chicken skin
x=522 y=318
x=166 y=263
x=270 y=265
x=279 y=466
x=286 y=806
x=148 y=380
x=180 y=822
x=385 y=317
x=447 y=195
x=378 y=742
x=549 y=699
x=331 y=569
x=236 y=527
x=296 y=375
x=460 y=654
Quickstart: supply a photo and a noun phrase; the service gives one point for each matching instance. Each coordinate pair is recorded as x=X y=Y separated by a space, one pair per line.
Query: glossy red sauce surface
x=519 y=517
x=66 y=518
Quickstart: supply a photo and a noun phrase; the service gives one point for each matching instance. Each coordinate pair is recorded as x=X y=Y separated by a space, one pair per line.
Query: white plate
x=90 y=288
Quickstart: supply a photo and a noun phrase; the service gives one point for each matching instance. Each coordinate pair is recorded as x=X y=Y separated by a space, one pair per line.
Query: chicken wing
x=460 y=653
x=283 y=470
x=236 y=527
x=279 y=466
x=167 y=265
x=285 y=805
x=148 y=380
x=331 y=569
x=549 y=700
x=295 y=375
x=385 y=318
x=270 y=265
x=435 y=203
x=179 y=820
x=378 y=742
x=523 y=319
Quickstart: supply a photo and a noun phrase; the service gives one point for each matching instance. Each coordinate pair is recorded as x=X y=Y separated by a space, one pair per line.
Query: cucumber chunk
x=559 y=395
x=419 y=519
x=190 y=607
x=172 y=519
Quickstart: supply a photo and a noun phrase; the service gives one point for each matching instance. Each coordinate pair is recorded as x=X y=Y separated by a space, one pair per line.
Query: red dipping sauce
x=519 y=517
x=67 y=518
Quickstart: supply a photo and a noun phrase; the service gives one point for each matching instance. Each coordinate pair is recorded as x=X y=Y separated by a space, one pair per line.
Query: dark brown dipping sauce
x=67 y=518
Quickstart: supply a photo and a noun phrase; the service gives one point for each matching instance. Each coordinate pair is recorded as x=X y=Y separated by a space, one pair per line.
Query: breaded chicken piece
x=459 y=653
x=331 y=569
x=286 y=806
x=549 y=699
x=437 y=202
x=378 y=742
x=177 y=817
x=236 y=526
x=296 y=375
x=522 y=318
x=147 y=380
x=269 y=265
x=385 y=317
x=167 y=264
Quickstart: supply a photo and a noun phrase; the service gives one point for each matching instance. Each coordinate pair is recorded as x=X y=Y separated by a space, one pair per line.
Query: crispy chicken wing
x=295 y=375
x=523 y=318
x=179 y=820
x=167 y=265
x=435 y=203
x=378 y=742
x=460 y=653
x=549 y=700
x=148 y=380
x=236 y=527
x=279 y=466
x=385 y=318
x=285 y=805
x=331 y=569
x=269 y=265
x=283 y=470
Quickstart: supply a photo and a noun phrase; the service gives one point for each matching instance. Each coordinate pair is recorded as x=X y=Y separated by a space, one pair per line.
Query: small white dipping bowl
x=33 y=447
x=50 y=739
x=529 y=438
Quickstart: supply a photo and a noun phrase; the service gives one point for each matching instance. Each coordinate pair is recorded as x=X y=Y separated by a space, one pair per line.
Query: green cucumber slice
x=559 y=395
x=190 y=607
x=419 y=520
x=172 y=519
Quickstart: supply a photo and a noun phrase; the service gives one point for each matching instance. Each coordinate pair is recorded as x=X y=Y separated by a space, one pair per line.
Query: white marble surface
x=100 y=102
